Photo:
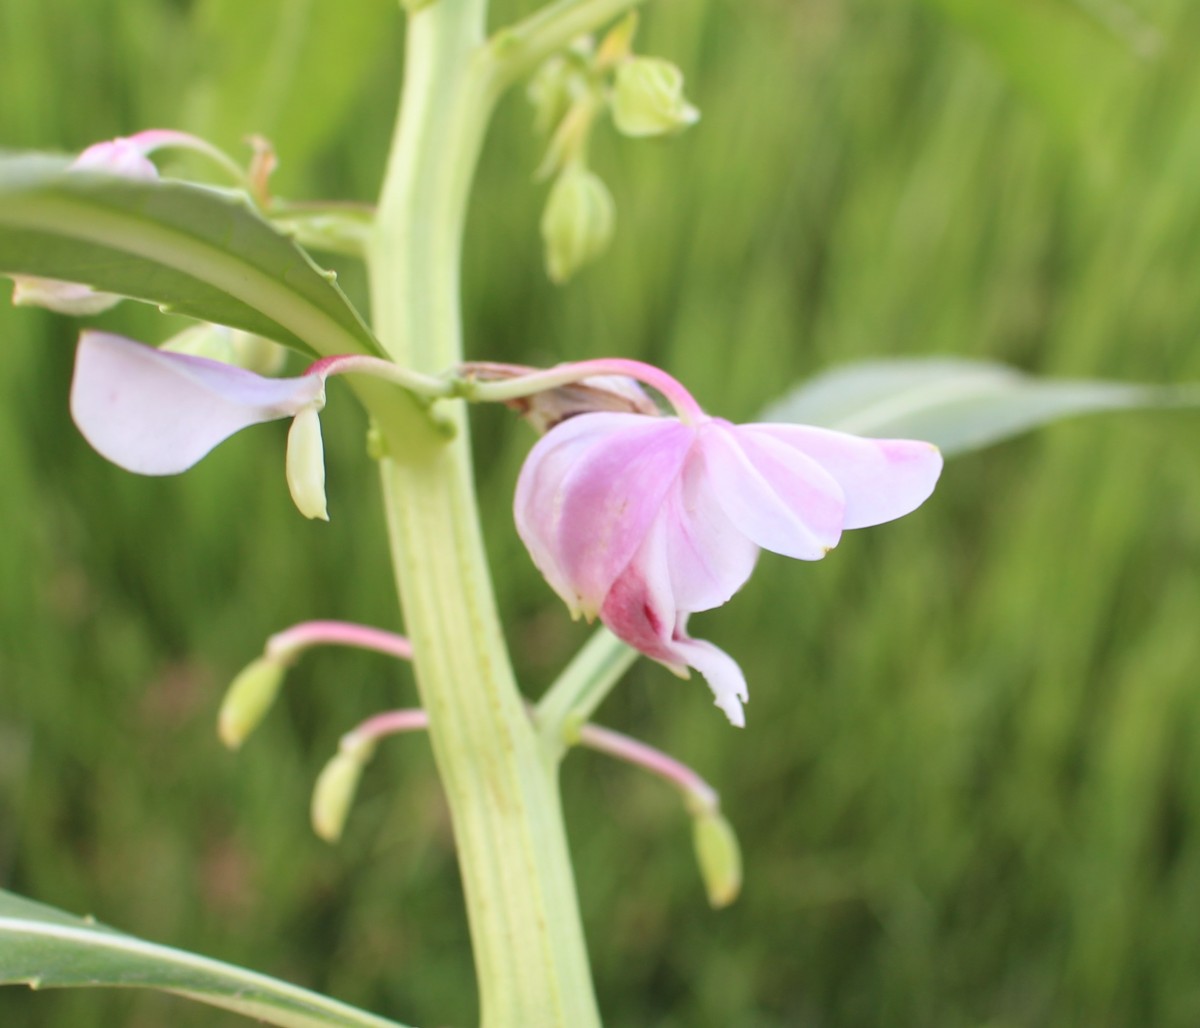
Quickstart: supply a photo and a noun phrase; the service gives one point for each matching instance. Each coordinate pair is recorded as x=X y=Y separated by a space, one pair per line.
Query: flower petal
x=640 y=609
x=71 y=298
x=588 y=493
x=882 y=479
x=640 y=606
x=157 y=413
x=708 y=556
x=124 y=157
x=778 y=497
x=722 y=674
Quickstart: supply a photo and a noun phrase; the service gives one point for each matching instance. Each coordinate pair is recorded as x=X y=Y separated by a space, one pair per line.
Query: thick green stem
x=502 y=791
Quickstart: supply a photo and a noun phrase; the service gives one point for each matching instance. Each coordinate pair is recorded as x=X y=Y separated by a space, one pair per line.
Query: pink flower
x=155 y=412
x=645 y=520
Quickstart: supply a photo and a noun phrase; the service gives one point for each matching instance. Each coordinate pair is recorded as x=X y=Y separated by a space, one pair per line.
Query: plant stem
x=502 y=793
x=581 y=688
x=521 y=47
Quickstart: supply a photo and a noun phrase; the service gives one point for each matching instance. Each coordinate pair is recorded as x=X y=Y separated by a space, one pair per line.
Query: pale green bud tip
x=648 y=98
x=248 y=699
x=617 y=46
x=334 y=794
x=577 y=224
x=306 y=464
x=719 y=857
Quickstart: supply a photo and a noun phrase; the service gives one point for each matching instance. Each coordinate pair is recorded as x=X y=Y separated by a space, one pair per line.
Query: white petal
x=71 y=298
x=157 y=413
x=882 y=479
x=781 y=499
x=722 y=674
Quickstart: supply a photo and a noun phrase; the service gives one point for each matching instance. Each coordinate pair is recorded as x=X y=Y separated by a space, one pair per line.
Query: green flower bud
x=719 y=857
x=648 y=99
x=248 y=699
x=305 y=464
x=558 y=83
x=577 y=223
x=229 y=346
x=617 y=46
x=336 y=787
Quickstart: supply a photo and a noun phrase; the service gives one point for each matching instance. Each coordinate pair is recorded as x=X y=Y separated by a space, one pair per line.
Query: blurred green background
x=969 y=792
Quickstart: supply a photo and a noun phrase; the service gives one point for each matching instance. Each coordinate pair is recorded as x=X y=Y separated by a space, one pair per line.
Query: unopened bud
x=229 y=346
x=336 y=787
x=648 y=98
x=248 y=699
x=549 y=93
x=577 y=223
x=306 y=464
x=719 y=857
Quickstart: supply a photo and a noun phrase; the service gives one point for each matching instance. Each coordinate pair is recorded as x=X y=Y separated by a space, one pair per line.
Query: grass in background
x=968 y=789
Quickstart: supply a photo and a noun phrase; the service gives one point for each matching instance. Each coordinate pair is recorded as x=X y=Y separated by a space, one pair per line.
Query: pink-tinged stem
x=170 y=139
x=565 y=374
x=286 y=644
x=699 y=795
x=391 y=722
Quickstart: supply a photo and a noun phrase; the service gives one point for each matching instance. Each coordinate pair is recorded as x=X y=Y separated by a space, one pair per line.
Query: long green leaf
x=46 y=948
x=960 y=405
x=190 y=249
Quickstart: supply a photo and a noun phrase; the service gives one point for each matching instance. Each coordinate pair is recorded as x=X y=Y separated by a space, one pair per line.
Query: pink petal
x=157 y=413
x=882 y=479
x=640 y=606
x=124 y=157
x=778 y=497
x=641 y=610
x=708 y=556
x=588 y=493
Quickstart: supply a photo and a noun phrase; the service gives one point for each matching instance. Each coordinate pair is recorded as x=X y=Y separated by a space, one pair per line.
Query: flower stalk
x=502 y=793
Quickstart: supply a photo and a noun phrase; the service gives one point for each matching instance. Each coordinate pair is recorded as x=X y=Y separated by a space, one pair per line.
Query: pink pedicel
x=643 y=521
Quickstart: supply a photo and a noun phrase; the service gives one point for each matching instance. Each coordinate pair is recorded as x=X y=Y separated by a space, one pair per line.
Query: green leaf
x=46 y=948
x=960 y=405
x=190 y=249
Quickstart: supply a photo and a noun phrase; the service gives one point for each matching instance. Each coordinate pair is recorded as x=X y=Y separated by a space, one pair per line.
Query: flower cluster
x=638 y=519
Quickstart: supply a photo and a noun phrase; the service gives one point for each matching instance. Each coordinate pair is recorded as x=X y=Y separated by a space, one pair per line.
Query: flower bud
x=577 y=223
x=719 y=857
x=557 y=84
x=229 y=346
x=337 y=785
x=617 y=45
x=248 y=699
x=648 y=98
x=306 y=464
